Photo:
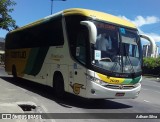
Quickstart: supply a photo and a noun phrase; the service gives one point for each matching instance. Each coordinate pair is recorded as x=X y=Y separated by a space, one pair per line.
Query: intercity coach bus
x=84 y=52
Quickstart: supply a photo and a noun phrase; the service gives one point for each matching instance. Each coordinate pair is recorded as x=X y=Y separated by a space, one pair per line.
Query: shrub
x=151 y=62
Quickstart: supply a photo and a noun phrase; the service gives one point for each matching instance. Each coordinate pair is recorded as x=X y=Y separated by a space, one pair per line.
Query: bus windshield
x=116 y=49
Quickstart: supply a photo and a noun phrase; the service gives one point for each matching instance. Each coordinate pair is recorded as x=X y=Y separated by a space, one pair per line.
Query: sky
x=145 y=14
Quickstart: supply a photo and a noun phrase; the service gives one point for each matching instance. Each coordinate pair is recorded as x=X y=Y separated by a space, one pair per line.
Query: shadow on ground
x=69 y=101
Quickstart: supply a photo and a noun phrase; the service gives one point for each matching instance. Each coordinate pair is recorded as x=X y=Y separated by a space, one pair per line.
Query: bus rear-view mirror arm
x=92 y=30
x=152 y=43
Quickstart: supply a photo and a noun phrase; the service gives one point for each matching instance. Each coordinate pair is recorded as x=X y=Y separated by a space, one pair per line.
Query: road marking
x=146 y=101
x=151 y=90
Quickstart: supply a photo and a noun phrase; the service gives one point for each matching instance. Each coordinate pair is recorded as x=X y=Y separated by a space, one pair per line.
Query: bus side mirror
x=92 y=30
x=152 y=43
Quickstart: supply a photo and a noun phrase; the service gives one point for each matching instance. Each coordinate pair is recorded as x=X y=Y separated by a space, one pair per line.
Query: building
x=147 y=51
x=1 y=39
x=2 y=47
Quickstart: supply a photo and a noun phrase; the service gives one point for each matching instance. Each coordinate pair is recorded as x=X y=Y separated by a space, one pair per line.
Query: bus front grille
x=112 y=86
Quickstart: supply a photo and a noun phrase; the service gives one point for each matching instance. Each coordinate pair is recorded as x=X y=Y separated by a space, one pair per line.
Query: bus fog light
x=92 y=91
x=138 y=92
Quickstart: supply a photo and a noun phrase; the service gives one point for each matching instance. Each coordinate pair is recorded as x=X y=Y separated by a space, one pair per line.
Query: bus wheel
x=58 y=85
x=14 y=71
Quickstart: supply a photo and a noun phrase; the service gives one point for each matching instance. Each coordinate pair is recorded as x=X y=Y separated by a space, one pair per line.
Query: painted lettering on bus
x=106 y=26
x=18 y=54
x=114 y=81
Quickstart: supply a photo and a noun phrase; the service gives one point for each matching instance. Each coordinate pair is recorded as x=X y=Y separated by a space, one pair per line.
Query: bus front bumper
x=97 y=91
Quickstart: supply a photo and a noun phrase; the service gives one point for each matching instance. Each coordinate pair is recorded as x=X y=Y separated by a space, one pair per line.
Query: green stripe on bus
x=31 y=60
x=36 y=60
x=132 y=81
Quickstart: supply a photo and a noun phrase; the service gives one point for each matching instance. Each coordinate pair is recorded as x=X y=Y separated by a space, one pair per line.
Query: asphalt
x=25 y=91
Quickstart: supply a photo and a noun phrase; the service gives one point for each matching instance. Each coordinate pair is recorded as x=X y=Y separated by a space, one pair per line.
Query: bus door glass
x=77 y=39
x=77 y=70
x=79 y=85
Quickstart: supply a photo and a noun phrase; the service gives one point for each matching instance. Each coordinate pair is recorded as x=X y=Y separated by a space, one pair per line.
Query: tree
x=151 y=63
x=6 y=21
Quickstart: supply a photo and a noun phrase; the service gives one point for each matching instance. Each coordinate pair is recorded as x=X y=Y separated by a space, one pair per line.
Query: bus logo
x=76 y=88
x=121 y=87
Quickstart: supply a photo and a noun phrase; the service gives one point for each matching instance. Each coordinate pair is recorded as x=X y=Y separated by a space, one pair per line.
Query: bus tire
x=58 y=85
x=14 y=71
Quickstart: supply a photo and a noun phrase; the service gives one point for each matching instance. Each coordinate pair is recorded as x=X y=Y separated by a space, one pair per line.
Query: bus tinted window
x=77 y=36
x=48 y=33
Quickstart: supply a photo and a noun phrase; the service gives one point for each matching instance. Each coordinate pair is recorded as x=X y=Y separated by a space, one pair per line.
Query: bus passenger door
x=78 y=68
x=77 y=79
x=78 y=38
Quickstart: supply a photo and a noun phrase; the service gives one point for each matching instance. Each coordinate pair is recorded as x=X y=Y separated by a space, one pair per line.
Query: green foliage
x=151 y=62
x=6 y=21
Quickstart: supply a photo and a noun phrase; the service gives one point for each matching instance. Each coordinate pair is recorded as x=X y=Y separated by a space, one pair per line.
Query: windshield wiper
x=115 y=64
x=127 y=57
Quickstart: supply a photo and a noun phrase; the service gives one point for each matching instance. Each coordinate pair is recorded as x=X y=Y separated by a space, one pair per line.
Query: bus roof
x=99 y=15
x=85 y=12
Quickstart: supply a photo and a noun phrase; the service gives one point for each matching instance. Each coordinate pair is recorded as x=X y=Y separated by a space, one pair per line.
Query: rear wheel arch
x=58 y=84
x=56 y=75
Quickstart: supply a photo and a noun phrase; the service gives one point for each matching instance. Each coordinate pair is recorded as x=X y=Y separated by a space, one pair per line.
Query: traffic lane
x=44 y=98
x=150 y=96
x=74 y=104
x=150 y=91
x=151 y=83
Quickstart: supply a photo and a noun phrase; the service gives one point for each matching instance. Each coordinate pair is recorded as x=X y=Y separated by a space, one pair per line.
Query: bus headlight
x=91 y=78
x=98 y=81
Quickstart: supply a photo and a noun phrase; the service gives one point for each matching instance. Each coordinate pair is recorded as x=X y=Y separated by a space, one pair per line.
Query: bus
x=84 y=52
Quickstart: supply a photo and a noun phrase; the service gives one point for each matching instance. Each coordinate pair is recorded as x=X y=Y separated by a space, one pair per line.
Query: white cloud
x=140 y=21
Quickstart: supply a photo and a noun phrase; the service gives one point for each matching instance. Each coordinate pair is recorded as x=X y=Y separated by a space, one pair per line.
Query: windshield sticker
x=97 y=55
x=123 y=31
x=75 y=66
x=129 y=40
x=77 y=51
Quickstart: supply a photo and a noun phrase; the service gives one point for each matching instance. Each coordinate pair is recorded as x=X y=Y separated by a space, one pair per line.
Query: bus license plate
x=120 y=94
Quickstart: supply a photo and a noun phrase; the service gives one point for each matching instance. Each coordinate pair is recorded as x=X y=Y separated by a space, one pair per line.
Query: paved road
x=22 y=91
